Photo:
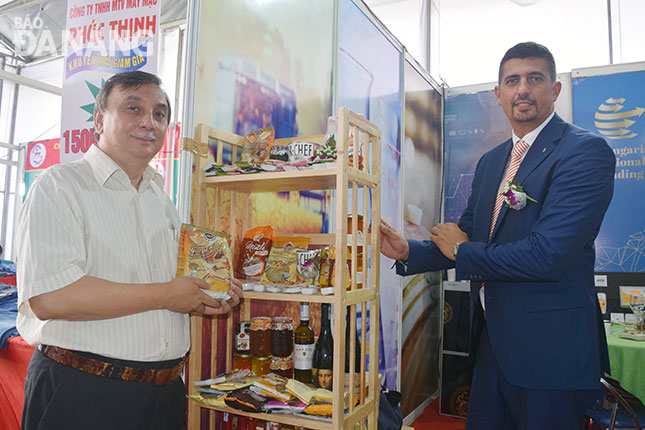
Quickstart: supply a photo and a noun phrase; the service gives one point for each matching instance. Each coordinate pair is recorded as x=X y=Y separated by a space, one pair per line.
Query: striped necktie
x=516 y=159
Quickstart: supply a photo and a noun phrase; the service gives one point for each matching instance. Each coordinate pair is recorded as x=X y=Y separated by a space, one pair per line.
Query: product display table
x=627 y=360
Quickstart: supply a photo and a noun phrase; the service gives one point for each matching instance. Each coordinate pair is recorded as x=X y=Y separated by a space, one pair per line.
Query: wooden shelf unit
x=342 y=178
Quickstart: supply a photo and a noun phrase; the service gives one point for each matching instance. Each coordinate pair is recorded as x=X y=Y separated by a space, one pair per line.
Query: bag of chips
x=205 y=254
x=282 y=265
x=254 y=253
x=257 y=145
x=308 y=268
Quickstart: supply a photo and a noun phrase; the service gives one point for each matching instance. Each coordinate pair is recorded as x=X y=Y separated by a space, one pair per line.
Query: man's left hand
x=446 y=236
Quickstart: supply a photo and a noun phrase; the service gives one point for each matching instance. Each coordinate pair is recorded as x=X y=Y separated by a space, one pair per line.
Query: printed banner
x=613 y=106
x=40 y=155
x=102 y=38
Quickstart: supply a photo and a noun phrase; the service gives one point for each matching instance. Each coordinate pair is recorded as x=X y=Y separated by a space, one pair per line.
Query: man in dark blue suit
x=526 y=243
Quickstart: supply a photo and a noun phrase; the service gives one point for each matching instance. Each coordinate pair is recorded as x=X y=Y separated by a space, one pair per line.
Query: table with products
x=627 y=360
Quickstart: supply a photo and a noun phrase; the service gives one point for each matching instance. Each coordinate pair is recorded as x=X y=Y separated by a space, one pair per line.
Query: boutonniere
x=514 y=196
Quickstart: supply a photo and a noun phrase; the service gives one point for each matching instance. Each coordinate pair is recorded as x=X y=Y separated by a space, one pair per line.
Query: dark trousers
x=60 y=397
x=495 y=404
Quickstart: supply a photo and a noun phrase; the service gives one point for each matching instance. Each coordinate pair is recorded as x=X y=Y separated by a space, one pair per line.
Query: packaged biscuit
x=254 y=253
x=257 y=145
x=283 y=260
x=206 y=255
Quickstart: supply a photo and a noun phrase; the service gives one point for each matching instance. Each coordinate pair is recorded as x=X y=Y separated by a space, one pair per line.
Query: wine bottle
x=324 y=352
x=357 y=361
x=304 y=347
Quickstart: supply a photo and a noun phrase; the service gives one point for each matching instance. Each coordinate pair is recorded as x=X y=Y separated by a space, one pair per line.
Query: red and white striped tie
x=516 y=159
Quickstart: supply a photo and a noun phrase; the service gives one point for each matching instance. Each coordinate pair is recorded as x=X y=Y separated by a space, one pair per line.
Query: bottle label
x=304 y=311
x=242 y=342
x=359 y=235
x=303 y=356
x=323 y=378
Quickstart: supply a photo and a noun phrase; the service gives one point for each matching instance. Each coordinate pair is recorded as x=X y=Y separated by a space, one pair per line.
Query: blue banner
x=613 y=106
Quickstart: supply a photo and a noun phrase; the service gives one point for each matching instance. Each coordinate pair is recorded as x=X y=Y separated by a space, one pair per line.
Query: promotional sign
x=613 y=106
x=102 y=38
x=40 y=155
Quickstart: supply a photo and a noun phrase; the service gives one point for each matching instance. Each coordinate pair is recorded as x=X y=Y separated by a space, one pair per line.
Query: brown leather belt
x=158 y=377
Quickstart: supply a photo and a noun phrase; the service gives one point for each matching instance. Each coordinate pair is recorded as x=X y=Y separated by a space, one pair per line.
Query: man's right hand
x=393 y=244
x=186 y=295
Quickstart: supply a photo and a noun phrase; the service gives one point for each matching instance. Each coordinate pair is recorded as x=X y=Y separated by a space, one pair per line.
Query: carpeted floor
x=431 y=420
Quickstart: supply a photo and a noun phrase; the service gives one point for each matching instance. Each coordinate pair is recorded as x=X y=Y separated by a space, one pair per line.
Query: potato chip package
x=205 y=254
x=282 y=266
x=257 y=145
x=308 y=268
x=254 y=253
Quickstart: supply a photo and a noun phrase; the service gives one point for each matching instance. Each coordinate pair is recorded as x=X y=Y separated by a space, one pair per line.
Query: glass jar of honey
x=283 y=366
x=260 y=333
x=261 y=365
x=281 y=337
x=241 y=361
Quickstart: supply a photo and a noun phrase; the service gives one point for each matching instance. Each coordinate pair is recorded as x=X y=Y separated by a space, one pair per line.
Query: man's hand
x=393 y=244
x=446 y=236
x=226 y=305
x=186 y=295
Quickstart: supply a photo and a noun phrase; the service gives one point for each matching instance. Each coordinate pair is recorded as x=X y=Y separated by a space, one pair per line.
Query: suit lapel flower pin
x=514 y=196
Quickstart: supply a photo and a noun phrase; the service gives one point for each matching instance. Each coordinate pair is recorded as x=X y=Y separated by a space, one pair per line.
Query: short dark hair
x=528 y=50
x=127 y=80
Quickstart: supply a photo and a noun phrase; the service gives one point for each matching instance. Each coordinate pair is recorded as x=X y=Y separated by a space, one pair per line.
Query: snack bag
x=205 y=254
x=303 y=150
x=356 y=144
x=283 y=260
x=254 y=253
x=257 y=145
x=308 y=268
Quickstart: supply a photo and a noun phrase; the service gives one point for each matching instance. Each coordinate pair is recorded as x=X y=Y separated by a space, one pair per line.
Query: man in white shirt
x=96 y=277
x=526 y=243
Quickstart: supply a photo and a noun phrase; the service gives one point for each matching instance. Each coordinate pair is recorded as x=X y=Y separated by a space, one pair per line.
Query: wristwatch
x=456 y=249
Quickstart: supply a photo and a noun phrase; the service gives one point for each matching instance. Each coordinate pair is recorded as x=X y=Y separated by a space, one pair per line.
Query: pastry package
x=205 y=254
x=254 y=253
x=257 y=145
x=283 y=260
x=246 y=400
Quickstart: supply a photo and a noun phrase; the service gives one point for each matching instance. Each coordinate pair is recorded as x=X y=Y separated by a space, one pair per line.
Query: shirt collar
x=104 y=168
x=533 y=134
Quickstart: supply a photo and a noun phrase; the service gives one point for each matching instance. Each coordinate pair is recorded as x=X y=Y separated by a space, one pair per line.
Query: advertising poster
x=612 y=106
x=40 y=155
x=102 y=38
x=369 y=83
x=422 y=157
x=473 y=124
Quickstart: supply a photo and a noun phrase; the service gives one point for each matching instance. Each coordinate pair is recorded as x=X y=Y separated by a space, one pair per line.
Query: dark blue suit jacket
x=542 y=312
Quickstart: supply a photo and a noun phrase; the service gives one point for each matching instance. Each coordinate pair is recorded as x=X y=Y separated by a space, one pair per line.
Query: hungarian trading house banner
x=102 y=38
x=612 y=106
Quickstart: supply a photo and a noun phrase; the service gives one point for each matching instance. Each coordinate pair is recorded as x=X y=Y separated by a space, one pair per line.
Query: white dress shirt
x=85 y=218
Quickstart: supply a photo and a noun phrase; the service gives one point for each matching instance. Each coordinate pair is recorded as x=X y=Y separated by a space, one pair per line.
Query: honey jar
x=261 y=365
x=260 y=333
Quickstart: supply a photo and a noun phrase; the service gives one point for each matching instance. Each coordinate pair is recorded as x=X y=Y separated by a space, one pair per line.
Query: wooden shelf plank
x=285 y=297
x=278 y=418
x=276 y=181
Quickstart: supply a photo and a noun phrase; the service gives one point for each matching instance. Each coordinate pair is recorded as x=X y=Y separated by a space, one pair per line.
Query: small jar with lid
x=283 y=366
x=281 y=337
x=242 y=361
x=261 y=365
x=260 y=332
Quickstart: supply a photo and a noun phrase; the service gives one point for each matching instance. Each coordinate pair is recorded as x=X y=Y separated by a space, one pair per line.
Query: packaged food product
x=257 y=145
x=308 y=268
x=260 y=332
x=279 y=152
x=355 y=146
x=245 y=399
x=205 y=254
x=303 y=150
x=282 y=265
x=254 y=253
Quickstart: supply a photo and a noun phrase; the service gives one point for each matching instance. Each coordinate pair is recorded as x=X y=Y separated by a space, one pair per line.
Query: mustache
x=523 y=99
x=144 y=135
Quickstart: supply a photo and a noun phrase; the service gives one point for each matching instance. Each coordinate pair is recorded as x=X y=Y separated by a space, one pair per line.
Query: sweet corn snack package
x=205 y=254
x=282 y=265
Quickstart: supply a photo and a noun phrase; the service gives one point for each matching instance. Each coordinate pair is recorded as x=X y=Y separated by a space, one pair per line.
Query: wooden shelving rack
x=364 y=183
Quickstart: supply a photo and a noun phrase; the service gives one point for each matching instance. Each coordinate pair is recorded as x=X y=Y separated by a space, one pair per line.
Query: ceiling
x=43 y=22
